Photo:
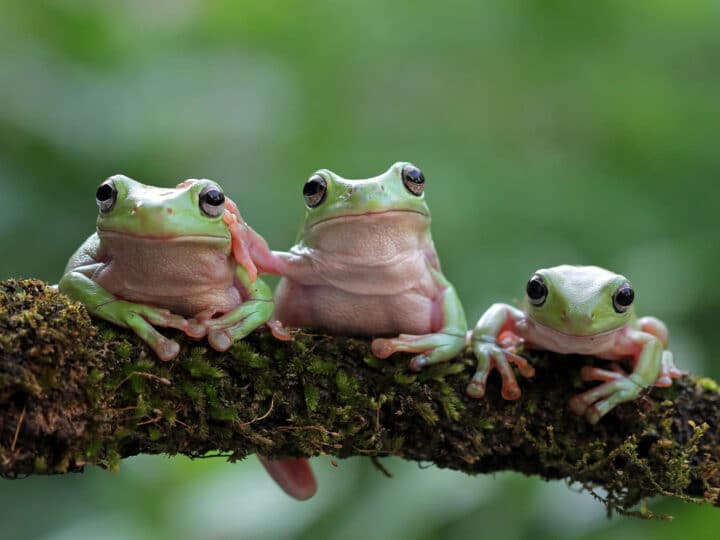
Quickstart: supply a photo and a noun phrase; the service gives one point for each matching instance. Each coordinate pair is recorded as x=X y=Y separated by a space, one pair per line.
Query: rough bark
x=77 y=392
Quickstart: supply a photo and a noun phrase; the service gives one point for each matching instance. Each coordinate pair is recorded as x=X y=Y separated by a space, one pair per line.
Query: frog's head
x=329 y=197
x=579 y=300
x=193 y=210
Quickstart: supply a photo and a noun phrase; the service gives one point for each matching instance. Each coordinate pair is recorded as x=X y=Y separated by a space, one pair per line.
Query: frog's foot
x=235 y=325
x=668 y=370
x=599 y=401
x=141 y=319
x=433 y=348
x=490 y=357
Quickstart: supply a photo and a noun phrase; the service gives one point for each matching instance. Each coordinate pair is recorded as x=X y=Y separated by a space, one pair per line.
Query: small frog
x=576 y=310
x=365 y=265
x=173 y=258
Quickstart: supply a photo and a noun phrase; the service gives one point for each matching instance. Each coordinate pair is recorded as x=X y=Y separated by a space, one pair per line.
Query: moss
x=81 y=393
x=707 y=384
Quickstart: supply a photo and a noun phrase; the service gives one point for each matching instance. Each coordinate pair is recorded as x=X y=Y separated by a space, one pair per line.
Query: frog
x=171 y=258
x=364 y=264
x=579 y=310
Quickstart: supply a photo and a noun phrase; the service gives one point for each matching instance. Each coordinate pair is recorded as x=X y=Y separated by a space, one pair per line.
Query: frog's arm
x=668 y=371
x=647 y=351
x=78 y=284
x=241 y=321
x=496 y=320
x=441 y=346
x=249 y=248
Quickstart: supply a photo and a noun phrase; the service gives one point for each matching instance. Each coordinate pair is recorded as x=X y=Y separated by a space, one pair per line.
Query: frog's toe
x=418 y=363
x=166 y=349
x=577 y=405
x=594 y=414
x=220 y=339
x=279 y=331
x=510 y=390
x=194 y=330
x=382 y=348
x=590 y=373
x=476 y=387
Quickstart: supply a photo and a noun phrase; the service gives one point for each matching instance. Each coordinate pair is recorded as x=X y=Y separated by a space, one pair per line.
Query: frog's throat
x=547 y=330
x=109 y=233
x=360 y=215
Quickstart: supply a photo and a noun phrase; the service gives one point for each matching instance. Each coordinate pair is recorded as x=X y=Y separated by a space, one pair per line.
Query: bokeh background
x=550 y=132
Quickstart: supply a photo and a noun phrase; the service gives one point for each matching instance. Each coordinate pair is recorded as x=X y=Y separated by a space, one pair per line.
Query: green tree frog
x=365 y=265
x=583 y=310
x=172 y=258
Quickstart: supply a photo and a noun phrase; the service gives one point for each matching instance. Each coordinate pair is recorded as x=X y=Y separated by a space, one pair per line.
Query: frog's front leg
x=441 y=346
x=599 y=401
x=140 y=318
x=669 y=371
x=234 y=325
x=492 y=353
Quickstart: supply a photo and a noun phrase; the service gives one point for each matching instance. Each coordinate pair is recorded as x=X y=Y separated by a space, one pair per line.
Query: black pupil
x=104 y=192
x=415 y=175
x=214 y=197
x=535 y=289
x=312 y=188
x=625 y=297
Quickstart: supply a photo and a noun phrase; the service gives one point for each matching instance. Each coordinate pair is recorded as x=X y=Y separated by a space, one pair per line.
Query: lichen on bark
x=77 y=392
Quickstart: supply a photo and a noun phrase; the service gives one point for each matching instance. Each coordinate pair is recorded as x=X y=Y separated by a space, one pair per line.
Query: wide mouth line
x=169 y=237
x=566 y=334
x=361 y=214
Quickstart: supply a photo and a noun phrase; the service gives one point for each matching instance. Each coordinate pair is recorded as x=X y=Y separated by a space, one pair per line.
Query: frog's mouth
x=369 y=214
x=110 y=234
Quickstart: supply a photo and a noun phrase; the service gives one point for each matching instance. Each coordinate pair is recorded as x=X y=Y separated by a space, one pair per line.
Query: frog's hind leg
x=599 y=401
x=165 y=348
x=433 y=348
x=444 y=344
x=294 y=476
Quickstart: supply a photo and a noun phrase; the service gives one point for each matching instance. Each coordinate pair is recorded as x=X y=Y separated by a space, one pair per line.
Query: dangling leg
x=294 y=476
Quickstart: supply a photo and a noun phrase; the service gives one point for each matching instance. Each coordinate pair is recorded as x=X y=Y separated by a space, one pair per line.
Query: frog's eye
x=623 y=298
x=537 y=291
x=212 y=201
x=414 y=179
x=314 y=190
x=106 y=195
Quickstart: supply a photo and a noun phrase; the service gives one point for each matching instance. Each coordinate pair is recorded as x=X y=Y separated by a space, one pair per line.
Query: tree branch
x=74 y=392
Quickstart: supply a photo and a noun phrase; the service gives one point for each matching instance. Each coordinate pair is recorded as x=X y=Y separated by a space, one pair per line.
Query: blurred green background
x=550 y=132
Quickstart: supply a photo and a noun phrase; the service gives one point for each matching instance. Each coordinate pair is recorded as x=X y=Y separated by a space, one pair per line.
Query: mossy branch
x=74 y=392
